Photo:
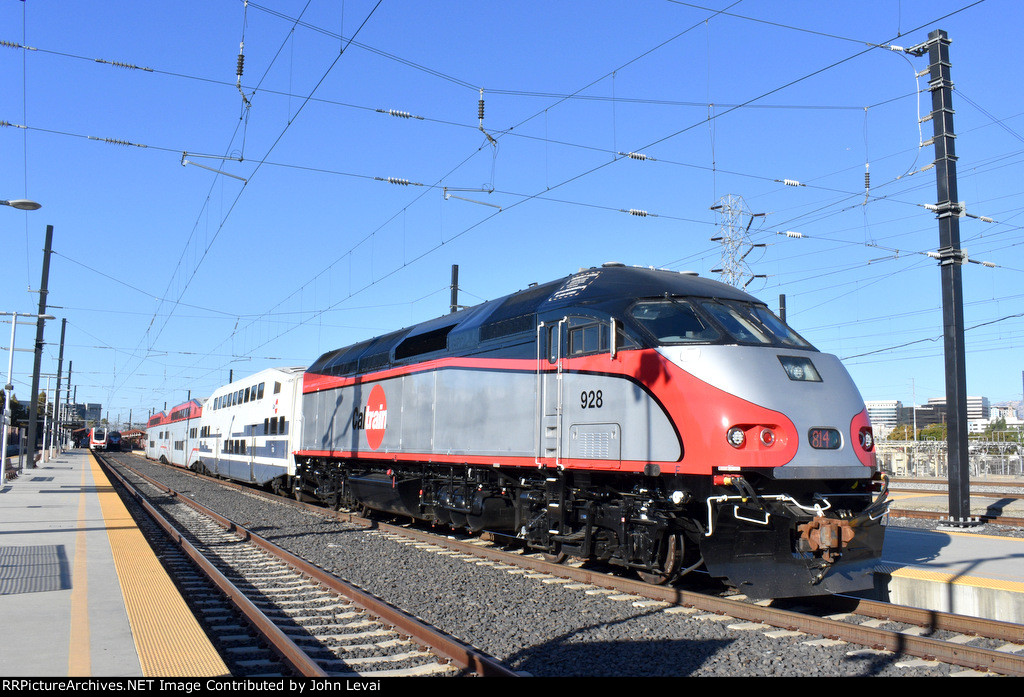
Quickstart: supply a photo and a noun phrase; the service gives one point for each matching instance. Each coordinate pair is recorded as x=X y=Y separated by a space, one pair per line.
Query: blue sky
x=203 y=227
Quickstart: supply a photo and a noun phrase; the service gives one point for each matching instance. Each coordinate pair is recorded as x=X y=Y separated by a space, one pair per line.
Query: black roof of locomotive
x=610 y=288
x=614 y=282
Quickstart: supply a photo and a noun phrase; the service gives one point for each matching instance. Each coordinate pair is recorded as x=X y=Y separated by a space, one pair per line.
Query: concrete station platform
x=81 y=592
x=965 y=570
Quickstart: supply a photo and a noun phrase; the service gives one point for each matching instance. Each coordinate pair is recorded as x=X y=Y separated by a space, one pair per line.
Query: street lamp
x=9 y=388
x=28 y=205
x=22 y=204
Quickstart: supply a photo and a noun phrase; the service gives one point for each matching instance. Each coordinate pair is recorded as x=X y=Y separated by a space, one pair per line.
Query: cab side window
x=587 y=336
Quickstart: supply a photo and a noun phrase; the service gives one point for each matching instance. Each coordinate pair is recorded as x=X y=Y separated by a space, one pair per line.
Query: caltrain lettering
x=653 y=420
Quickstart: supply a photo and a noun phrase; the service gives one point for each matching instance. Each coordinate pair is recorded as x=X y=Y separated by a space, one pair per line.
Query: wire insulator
x=398 y=181
x=396 y=113
x=791 y=182
x=117 y=141
x=637 y=212
x=636 y=156
x=119 y=64
x=241 y=64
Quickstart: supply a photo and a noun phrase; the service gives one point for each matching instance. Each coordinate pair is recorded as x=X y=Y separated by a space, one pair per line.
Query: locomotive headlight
x=680 y=497
x=736 y=437
x=800 y=368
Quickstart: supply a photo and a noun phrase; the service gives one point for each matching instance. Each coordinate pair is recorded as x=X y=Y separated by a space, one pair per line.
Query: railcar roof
x=609 y=284
x=614 y=281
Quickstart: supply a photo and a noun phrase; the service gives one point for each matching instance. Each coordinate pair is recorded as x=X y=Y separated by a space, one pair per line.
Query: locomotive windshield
x=709 y=320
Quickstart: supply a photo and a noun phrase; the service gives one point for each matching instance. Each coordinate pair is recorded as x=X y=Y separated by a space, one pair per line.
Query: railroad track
x=1017 y=486
x=926 y=634
x=972 y=643
x=1000 y=490
x=314 y=623
x=1008 y=521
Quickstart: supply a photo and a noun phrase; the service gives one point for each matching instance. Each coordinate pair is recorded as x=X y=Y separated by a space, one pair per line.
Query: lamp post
x=8 y=388
x=9 y=385
x=22 y=204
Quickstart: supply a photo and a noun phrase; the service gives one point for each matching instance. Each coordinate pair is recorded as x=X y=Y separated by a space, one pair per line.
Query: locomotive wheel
x=670 y=562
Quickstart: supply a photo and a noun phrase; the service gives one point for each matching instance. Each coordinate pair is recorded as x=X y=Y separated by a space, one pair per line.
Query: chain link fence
x=1001 y=457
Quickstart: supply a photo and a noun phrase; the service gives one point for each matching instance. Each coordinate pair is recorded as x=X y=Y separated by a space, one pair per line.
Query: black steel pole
x=67 y=405
x=455 y=288
x=57 y=421
x=33 y=407
x=951 y=258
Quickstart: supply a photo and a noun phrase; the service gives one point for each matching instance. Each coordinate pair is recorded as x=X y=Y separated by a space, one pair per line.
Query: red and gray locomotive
x=654 y=420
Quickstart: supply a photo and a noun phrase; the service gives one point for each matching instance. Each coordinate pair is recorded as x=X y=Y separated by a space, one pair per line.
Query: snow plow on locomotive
x=654 y=420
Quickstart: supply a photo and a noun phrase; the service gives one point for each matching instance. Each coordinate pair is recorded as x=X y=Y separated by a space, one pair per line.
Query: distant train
x=114 y=440
x=650 y=419
x=97 y=438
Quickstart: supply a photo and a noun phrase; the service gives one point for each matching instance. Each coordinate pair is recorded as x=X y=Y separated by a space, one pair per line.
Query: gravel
x=538 y=628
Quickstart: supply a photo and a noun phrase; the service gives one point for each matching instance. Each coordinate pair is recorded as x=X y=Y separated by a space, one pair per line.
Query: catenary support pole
x=33 y=404
x=951 y=259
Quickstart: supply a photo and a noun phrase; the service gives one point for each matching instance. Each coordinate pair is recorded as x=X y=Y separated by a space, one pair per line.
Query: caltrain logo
x=373 y=418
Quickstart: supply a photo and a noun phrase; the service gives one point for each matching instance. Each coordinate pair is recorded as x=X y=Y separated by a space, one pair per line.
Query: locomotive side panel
x=485 y=413
x=448 y=412
x=603 y=409
x=418 y=396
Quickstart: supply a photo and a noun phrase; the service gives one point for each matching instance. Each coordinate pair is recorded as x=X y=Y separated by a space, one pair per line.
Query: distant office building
x=934 y=412
x=884 y=415
x=94 y=412
x=923 y=415
x=978 y=408
x=87 y=413
x=1007 y=413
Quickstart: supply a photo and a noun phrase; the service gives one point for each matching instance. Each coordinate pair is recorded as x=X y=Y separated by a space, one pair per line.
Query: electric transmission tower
x=734 y=226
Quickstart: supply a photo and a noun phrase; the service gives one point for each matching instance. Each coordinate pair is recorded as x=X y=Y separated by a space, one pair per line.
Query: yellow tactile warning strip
x=79 y=660
x=167 y=636
x=919 y=574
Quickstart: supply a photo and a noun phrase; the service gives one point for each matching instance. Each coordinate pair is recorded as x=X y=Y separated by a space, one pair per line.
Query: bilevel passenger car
x=243 y=431
x=651 y=419
x=247 y=429
x=171 y=437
